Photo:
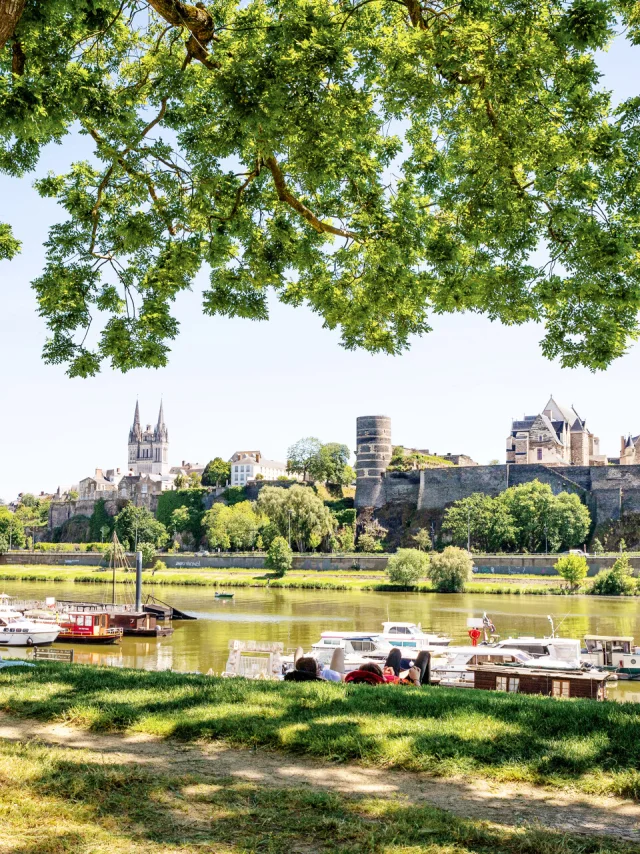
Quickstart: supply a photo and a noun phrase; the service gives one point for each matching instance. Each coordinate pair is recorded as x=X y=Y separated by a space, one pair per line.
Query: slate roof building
x=557 y=436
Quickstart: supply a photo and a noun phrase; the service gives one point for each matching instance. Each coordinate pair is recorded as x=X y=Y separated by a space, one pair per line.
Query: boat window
x=561 y=688
x=514 y=684
x=502 y=683
x=362 y=646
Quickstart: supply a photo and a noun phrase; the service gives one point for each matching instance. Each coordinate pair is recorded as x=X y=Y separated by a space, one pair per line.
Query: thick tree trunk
x=10 y=13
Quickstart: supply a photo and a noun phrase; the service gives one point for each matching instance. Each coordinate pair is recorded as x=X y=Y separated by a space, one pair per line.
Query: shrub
x=4 y=544
x=368 y=543
x=148 y=552
x=407 y=567
x=617 y=581
x=596 y=547
x=279 y=556
x=234 y=494
x=423 y=540
x=573 y=568
x=159 y=565
x=450 y=570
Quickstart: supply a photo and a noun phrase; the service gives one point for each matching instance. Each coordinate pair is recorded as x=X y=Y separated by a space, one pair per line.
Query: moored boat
x=223 y=595
x=18 y=630
x=138 y=624
x=410 y=636
x=614 y=653
x=90 y=627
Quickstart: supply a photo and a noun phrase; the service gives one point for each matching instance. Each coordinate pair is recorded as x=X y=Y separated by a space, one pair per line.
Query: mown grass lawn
x=594 y=747
x=63 y=801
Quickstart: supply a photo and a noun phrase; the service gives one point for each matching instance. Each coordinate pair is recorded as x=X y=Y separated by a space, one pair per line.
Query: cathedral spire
x=161 y=428
x=135 y=433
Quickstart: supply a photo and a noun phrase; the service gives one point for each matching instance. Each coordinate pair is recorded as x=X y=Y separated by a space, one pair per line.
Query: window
x=508 y=683
x=514 y=684
x=561 y=688
x=502 y=683
x=539 y=453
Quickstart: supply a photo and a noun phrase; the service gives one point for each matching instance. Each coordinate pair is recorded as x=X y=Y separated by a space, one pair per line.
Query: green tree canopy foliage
x=191 y=501
x=299 y=507
x=100 y=520
x=12 y=528
x=331 y=464
x=450 y=569
x=423 y=540
x=148 y=552
x=217 y=472
x=137 y=524
x=257 y=139
x=234 y=526
x=279 y=557
x=573 y=568
x=407 y=567
x=302 y=455
x=524 y=518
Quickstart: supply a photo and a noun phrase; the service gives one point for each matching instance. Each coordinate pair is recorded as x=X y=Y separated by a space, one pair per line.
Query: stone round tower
x=373 y=453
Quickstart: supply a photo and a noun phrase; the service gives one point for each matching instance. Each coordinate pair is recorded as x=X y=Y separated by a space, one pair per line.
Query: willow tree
x=381 y=161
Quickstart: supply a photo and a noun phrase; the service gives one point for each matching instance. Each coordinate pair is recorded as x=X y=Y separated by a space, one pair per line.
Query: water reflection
x=296 y=618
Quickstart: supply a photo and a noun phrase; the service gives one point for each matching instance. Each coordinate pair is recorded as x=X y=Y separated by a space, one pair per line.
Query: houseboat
x=18 y=630
x=90 y=627
x=591 y=684
x=138 y=624
x=613 y=653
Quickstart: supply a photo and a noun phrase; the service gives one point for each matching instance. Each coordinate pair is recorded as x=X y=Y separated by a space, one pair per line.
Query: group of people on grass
x=396 y=670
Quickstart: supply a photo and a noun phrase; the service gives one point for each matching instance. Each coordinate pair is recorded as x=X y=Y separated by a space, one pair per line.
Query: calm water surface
x=297 y=617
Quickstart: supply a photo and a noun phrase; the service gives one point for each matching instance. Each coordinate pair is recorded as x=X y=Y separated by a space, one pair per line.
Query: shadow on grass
x=442 y=731
x=80 y=803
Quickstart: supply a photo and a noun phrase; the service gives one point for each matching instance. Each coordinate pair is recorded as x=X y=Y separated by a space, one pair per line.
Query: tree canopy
x=381 y=162
x=217 y=472
x=527 y=517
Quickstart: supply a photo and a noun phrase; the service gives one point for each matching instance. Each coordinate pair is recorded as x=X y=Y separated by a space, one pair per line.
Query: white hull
x=27 y=636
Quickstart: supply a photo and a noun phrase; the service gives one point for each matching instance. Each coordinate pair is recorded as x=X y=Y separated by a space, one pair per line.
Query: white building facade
x=247 y=465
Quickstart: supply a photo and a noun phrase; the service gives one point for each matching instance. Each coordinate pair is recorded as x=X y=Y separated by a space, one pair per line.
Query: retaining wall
x=484 y=564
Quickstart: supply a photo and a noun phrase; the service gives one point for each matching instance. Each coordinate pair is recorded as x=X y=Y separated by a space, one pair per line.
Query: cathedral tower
x=149 y=448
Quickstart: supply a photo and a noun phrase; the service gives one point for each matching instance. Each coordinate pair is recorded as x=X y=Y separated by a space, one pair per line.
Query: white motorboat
x=410 y=637
x=549 y=652
x=359 y=647
x=17 y=630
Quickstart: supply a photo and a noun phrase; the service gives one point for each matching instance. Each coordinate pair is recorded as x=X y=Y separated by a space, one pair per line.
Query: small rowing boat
x=223 y=595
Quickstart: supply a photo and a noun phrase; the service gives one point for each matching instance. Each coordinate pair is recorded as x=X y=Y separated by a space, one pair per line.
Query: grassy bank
x=594 y=747
x=56 y=800
x=295 y=579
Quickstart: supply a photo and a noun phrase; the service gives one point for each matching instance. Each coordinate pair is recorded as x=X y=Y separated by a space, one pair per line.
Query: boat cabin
x=138 y=623
x=89 y=625
x=519 y=680
x=608 y=649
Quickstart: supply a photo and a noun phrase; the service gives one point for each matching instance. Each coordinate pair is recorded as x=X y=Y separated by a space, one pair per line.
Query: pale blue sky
x=234 y=384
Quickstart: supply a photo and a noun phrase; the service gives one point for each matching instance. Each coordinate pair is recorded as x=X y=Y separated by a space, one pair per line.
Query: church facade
x=148 y=451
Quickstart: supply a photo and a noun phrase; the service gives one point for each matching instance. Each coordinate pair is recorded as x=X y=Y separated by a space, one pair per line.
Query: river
x=296 y=618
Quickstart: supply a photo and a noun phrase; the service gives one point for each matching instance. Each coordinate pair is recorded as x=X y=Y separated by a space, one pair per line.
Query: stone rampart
x=606 y=490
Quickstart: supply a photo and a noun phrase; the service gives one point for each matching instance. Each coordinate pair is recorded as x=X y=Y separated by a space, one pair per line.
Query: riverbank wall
x=484 y=564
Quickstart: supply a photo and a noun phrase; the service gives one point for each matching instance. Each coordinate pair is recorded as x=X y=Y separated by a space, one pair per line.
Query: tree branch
x=10 y=14
x=196 y=20
x=285 y=195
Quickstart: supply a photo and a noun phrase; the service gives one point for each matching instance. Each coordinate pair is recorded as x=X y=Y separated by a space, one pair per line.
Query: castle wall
x=606 y=490
x=373 y=453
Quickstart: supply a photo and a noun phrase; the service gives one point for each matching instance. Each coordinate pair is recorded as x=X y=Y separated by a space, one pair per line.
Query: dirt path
x=506 y=804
